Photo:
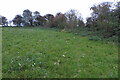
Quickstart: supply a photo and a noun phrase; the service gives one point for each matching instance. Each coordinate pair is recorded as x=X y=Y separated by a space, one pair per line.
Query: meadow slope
x=47 y=53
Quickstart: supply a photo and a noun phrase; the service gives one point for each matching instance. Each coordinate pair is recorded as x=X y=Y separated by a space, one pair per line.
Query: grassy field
x=47 y=53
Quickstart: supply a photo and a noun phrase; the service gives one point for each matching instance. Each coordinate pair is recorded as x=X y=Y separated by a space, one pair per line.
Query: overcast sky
x=10 y=8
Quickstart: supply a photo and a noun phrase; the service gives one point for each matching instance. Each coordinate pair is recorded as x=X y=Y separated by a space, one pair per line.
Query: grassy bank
x=38 y=53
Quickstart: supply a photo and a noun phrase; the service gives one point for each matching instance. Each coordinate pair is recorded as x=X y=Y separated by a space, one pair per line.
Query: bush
x=95 y=38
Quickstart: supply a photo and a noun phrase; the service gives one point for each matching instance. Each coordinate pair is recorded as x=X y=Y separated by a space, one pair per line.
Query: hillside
x=47 y=53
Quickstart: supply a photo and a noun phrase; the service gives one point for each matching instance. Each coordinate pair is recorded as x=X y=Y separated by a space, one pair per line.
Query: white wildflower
x=63 y=55
x=79 y=70
x=65 y=52
x=34 y=64
x=55 y=63
x=19 y=64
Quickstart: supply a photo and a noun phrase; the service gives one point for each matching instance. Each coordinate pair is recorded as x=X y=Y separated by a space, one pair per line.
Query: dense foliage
x=104 y=19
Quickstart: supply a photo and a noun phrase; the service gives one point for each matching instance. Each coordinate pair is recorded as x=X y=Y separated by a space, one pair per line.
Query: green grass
x=0 y=53
x=47 y=53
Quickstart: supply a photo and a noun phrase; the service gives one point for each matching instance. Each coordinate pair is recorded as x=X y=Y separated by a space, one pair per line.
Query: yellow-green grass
x=46 y=53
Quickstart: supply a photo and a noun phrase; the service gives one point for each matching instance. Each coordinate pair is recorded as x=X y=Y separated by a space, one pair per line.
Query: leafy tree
x=49 y=20
x=91 y=23
x=27 y=18
x=38 y=19
x=60 y=20
x=4 y=21
x=80 y=22
x=101 y=14
x=116 y=14
x=73 y=19
x=17 y=20
x=102 y=19
x=49 y=17
x=36 y=14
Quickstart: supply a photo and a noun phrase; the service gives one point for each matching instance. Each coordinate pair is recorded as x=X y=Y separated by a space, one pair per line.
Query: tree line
x=104 y=19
